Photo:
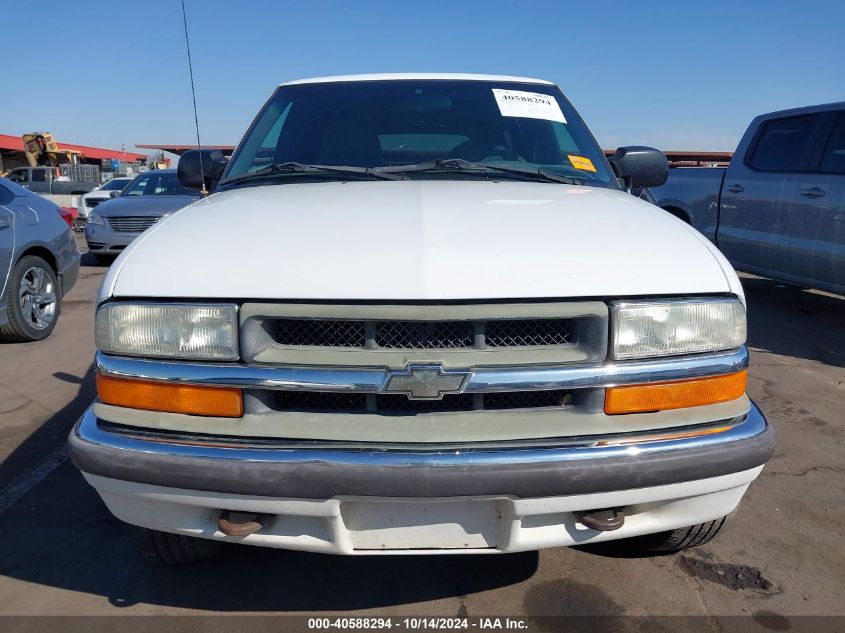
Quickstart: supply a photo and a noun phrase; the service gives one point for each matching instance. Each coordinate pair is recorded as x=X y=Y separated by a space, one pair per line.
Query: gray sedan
x=113 y=225
x=39 y=263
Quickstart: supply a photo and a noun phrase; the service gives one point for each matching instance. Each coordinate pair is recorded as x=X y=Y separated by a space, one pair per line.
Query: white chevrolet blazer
x=420 y=314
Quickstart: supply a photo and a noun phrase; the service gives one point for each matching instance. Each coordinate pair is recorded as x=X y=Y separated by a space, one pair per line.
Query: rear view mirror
x=114 y=194
x=640 y=166
x=196 y=164
x=424 y=103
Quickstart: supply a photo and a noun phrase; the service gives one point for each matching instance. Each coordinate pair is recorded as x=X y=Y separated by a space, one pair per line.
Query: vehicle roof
x=422 y=76
x=15 y=188
x=822 y=107
x=156 y=171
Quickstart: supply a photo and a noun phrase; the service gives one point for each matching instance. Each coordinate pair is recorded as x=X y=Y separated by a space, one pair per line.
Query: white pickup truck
x=420 y=314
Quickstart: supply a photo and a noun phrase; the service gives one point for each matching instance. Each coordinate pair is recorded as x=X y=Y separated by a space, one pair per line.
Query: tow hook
x=251 y=525
x=602 y=520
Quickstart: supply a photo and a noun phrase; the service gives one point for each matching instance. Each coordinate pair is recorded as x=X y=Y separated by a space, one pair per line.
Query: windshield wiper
x=301 y=168
x=460 y=163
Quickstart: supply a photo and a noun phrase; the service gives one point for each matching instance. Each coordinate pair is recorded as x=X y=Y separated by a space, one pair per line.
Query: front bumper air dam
x=575 y=467
x=105 y=241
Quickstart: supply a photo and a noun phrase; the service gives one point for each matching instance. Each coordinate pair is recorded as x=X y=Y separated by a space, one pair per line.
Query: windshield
x=156 y=183
x=19 y=175
x=390 y=124
x=115 y=184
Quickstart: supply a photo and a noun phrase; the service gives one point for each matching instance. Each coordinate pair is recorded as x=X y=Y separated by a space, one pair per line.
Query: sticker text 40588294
x=528 y=105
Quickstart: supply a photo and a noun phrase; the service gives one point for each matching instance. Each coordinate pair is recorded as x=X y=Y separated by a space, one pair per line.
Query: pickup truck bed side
x=74 y=180
x=692 y=194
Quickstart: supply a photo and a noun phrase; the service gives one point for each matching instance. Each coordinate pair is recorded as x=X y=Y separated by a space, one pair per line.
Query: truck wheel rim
x=38 y=298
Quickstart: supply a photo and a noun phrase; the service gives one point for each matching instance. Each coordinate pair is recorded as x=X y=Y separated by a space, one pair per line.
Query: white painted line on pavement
x=28 y=479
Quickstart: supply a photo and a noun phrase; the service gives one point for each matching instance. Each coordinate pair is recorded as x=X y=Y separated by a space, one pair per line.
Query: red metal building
x=12 y=154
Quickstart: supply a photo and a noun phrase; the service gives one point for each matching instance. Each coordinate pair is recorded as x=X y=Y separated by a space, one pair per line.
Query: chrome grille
x=399 y=404
x=457 y=335
x=320 y=333
x=132 y=223
x=527 y=399
x=424 y=335
x=528 y=332
x=320 y=401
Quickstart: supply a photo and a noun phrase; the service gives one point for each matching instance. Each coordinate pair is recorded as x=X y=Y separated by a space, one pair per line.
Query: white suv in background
x=104 y=192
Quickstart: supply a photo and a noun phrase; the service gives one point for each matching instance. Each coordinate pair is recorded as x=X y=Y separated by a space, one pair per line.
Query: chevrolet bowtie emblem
x=424 y=382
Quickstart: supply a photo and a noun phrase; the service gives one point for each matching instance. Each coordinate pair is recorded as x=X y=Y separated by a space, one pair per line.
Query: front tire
x=680 y=539
x=175 y=549
x=105 y=260
x=32 y=301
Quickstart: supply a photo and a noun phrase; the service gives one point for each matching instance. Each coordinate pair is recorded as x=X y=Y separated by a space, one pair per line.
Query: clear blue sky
x=676 y=75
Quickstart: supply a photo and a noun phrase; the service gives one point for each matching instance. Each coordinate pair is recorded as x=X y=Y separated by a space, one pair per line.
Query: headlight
x=668 y=328
x=93 y=218
x=198 y=331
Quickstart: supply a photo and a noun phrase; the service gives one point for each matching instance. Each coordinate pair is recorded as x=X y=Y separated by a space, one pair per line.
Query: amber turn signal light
x=675 y=395
x=224 y=402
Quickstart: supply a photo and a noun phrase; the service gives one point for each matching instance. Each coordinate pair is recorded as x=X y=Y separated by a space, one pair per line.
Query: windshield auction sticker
x=528 y=105
x=581 y=162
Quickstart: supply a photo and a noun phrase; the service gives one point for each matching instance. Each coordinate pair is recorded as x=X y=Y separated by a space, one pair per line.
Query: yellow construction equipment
x=41 y=151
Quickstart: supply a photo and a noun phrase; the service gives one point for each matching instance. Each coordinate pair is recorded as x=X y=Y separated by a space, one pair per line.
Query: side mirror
x=196 y=163
x=640 y=166
x=114 y=194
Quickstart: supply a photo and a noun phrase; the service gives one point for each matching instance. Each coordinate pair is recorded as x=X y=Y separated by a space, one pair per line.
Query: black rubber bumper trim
x=322 y=480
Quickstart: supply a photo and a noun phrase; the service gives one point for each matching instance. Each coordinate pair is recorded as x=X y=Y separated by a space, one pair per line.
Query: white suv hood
x=419 y=240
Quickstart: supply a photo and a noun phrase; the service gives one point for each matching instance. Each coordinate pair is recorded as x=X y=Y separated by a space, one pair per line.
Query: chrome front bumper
x=373 y=380
x=102 y=240
x=301 y=471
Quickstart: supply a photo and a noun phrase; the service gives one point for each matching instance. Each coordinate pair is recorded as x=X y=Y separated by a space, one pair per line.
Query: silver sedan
x=39 y=263
x=113 y=225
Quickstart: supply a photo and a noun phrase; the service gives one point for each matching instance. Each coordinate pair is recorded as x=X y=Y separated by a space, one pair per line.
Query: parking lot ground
x=62 y=553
